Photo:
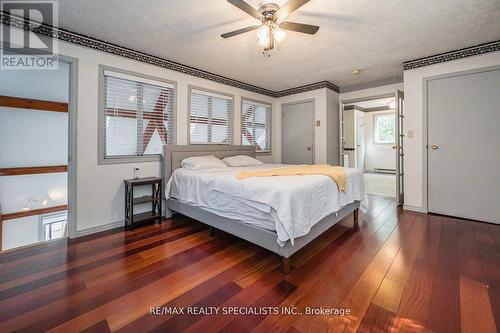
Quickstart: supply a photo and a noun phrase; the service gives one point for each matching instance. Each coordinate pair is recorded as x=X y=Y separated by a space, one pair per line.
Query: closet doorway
x=297 y=141
x=372 y=142
x=463 y=131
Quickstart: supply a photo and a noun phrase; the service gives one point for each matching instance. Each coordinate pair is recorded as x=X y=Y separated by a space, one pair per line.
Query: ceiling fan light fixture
x=279 y=34
x=263 y=35
x=270 y=31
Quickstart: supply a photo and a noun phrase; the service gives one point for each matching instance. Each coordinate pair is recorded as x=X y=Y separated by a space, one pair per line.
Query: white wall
x=100 y=187
x=380 y=156
x=332 y=127
x=20 y=232
x=414 y=99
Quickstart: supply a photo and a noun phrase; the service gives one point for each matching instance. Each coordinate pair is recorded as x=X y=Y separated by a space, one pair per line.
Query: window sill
x=263 y=153
x=128 y=159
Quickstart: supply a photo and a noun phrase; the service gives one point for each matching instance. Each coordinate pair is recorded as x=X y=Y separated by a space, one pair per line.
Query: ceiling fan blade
x=289 y=7
x=300 y=27
x=245 y=7
x=239 y=31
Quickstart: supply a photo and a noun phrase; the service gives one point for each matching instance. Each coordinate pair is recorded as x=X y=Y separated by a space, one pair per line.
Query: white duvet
x=290 y=205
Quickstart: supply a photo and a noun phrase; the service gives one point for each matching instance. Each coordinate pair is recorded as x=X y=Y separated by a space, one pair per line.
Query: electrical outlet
x=318 y=123
x=136 y=173
x=409 y=134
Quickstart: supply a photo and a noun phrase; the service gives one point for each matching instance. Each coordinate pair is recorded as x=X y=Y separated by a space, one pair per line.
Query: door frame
x=72 y=142
x=425 y=125
x=308 y=100
x=341 y=129
x=357 y=144
x=399 y=114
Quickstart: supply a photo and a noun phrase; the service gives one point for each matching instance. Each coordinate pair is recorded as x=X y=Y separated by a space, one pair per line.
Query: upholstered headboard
x=174 y=154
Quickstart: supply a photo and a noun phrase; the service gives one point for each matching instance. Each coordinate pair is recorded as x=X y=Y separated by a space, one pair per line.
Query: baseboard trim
x=415 y=209
x=99 y=228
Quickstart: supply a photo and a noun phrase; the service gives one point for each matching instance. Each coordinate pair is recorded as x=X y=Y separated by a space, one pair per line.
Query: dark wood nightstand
x=132 y=219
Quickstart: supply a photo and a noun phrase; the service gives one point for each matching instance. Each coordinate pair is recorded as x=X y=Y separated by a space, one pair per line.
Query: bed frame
x=174 y=154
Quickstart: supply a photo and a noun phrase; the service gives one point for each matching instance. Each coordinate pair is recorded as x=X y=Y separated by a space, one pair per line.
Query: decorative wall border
x=453 y=55
x=103 y=46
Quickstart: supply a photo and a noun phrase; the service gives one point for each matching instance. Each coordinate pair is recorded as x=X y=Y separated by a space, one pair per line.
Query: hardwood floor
x=398 y=272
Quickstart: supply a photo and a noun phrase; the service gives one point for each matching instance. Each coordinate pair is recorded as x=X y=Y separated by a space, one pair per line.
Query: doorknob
x=394 y=147
x=308 y=148
x=434 y=146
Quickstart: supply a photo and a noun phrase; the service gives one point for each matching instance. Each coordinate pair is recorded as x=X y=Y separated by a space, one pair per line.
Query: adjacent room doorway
x=37 y=155
x=372 y=141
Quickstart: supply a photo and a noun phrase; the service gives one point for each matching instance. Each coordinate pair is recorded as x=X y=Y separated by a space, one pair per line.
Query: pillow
x=202 y=163
x=241 y=160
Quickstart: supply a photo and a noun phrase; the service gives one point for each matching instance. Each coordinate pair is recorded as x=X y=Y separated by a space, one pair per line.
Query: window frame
x=231 y=114
x=260 y=153
x=41 y=225
x=375 y=116
x=101 y=152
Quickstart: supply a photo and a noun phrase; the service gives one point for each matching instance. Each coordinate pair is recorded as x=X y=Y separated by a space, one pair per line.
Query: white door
x=463 y=145
x=360 y=142
x=298 y=133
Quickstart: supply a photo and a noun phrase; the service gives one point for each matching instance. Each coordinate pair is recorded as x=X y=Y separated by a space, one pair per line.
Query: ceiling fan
x=270 y=29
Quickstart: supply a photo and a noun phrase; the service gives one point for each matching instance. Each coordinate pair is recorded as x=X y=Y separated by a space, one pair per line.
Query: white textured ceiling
x=374 y=36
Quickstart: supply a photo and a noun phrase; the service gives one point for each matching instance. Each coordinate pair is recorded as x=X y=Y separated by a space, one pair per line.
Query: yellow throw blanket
x=336 y=173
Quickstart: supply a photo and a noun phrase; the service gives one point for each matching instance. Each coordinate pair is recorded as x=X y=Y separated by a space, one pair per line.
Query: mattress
x=288 y=205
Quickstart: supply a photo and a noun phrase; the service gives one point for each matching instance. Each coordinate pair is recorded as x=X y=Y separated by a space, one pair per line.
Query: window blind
x=139 y=115
x=210 y=118
x=256 y=125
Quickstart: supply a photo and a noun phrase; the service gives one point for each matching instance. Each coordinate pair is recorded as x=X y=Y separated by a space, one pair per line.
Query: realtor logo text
x=246 y=310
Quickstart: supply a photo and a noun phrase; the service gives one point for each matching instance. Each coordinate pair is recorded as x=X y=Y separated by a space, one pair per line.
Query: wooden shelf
x=132 y=219
x=146 y=198
x=144 y=217
x=32 y=104
x=33 y=170
x=16 y=215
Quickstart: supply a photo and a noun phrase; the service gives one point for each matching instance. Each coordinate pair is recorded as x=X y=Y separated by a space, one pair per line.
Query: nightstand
x=132 y=219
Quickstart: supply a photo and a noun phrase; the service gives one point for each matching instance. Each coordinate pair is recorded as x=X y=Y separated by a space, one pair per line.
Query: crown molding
x=308 y=87
x=453 y=55
x=103 y=46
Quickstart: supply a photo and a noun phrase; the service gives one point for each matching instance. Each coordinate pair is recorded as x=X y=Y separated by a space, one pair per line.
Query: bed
x=280 y=214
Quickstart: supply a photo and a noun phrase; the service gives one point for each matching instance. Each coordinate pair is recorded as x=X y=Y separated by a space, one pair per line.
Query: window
x=384 y=128
x=138 y=116
x=210 y=117
x=53 y=226
x=256 y=125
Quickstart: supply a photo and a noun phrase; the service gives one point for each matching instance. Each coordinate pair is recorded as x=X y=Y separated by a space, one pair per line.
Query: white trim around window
x=376 y=137
x=133 y=99
x=53 y=226
x=256 y=125
x=210 y=116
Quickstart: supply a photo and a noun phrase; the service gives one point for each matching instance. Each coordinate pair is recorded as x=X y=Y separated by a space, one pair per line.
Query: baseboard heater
x=384 y=170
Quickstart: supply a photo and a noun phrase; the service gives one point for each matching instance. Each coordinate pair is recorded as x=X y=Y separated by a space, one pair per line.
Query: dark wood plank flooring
x=398 y=272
